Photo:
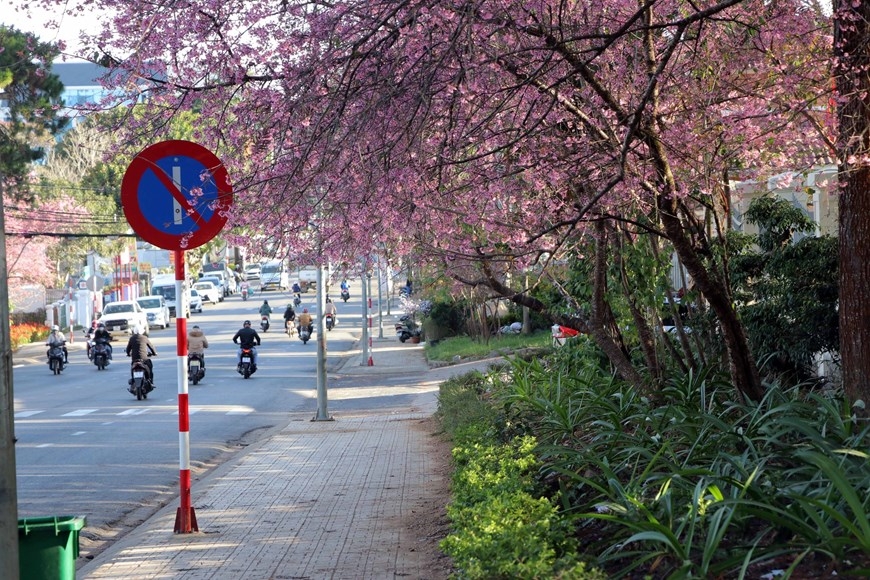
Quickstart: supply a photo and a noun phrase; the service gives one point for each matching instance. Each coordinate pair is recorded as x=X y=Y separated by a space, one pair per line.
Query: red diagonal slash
x=176 y=193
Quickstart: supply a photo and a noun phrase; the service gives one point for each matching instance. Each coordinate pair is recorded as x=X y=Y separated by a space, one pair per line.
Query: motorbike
x=290 y=328
x=100 y=354
x=330 y=321
x=140 y=380
x=244 y=293
x=304 y=334
x=297 y=300
x=407 y=328
x=246 y=367
x=264 y=323
x=195 y=370
x=345 y=294
x=56 y=358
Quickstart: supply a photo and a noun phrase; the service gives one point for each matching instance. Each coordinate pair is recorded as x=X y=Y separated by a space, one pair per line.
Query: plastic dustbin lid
x=58 y=523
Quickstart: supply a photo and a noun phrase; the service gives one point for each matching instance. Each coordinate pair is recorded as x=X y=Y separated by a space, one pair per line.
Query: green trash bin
x=48 y=547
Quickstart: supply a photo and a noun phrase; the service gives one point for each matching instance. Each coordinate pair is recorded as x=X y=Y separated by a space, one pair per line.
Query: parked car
x=208 y=292
x=123 y=316
x=156 y=310
x=218 y=282
x=194 y=300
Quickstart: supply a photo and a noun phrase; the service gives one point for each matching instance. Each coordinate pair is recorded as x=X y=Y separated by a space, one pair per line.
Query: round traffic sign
x=176 y=195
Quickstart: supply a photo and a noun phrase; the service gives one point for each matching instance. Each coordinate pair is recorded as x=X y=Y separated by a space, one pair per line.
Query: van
x=165 y=286
x=274 y=276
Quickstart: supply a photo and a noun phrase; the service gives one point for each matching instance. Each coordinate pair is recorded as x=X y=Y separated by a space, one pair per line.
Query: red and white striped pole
x=185 y=517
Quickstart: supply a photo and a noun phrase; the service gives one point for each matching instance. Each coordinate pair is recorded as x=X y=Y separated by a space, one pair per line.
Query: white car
x=194 y=300
x=123 y=316
x=252 y=272
x=208 y=292
x=156 y=310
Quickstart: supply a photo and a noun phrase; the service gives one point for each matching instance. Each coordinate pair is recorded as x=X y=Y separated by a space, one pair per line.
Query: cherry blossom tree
x=27 y=255
x=487 y=134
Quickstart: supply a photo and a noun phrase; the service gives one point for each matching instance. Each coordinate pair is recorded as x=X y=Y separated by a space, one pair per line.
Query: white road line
x=79 y=412
x=25 y=414
x=45 y=445
x=240 y=411
x=77 y=433
x=133 y=411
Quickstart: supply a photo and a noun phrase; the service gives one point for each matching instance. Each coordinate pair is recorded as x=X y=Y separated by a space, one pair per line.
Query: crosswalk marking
x=134 y=411
x=79 y=412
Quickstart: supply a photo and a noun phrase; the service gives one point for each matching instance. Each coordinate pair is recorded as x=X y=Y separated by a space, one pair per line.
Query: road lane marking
x=79 y=412
x=25 y=414
x=133 y=411
x=77 y=433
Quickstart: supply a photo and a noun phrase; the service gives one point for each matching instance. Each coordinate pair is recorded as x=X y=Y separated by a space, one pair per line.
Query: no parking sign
x=176 y=195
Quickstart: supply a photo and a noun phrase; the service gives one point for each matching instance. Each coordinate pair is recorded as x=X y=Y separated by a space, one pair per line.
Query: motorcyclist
x=247 y=337
x=304 y=319
x=265 y=309
x=197 y=343
x=289 y=316
x=331 y=309
x=345 y=287
x=56 y=338
x=244 y=287
x=297 y=289
x=139 y=348
x=101 y=335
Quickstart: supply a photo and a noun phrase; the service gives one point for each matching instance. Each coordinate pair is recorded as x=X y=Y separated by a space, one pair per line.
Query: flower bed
x=27 y=332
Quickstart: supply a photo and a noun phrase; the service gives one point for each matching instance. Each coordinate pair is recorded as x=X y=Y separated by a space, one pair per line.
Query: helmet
x=55 y=328
x=196 y=326
x=304 y=310
x=247 y=323
x=135 y=330
x=265 y=301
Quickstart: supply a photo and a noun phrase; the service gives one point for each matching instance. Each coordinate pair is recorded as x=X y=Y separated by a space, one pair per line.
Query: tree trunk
x=741 y=363
x=851 y=30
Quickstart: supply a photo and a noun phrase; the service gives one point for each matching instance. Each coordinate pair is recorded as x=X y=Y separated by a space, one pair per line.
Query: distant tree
x=32 y=94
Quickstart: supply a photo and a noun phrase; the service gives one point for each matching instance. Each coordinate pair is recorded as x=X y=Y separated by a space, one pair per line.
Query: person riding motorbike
x=139 y=348
x=265 y=309
x=197 y=343
x=289 y=316
x=101 y=335
x=56 y=338
x=244 y=288
x=304 y=320
x=345 y=285
x=247 y=337
x=331 y=309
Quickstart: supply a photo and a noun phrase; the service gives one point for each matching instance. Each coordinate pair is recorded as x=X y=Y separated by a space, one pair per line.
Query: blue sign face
x=175 y=194
x=160 y=205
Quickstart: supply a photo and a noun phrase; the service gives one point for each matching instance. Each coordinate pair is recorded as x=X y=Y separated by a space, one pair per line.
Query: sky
x=43 y=23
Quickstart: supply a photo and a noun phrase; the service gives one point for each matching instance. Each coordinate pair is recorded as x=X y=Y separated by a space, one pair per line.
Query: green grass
x=467 y=347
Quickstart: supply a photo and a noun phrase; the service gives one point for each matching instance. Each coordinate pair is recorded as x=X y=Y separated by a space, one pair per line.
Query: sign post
x=176 y=195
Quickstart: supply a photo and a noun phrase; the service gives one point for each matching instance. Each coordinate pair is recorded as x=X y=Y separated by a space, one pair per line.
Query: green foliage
x=502 y=526
x=32 y=96
x=787 y=292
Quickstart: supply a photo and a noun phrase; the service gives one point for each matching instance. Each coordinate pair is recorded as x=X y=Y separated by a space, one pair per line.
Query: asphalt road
x=86 y=446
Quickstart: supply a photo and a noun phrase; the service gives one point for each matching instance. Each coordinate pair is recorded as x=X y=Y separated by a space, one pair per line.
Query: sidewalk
x=316 y=500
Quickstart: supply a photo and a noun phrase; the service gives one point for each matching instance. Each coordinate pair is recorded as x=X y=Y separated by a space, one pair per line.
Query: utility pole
x=8 y=489
x=366 y=355
x=322 y=412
